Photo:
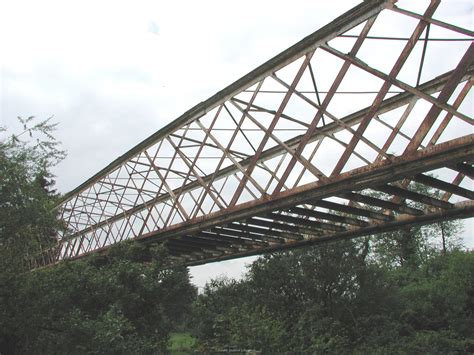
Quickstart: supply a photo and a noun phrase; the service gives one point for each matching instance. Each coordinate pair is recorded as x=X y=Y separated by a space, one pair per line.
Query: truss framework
x=330 y=139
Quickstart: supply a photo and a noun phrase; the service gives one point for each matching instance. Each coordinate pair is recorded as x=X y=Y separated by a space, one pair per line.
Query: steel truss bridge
x=330 y=139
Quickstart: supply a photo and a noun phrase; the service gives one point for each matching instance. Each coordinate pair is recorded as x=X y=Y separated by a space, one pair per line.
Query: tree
x=115 y=304
x=438 y=303
x=123 y=302
x=27 y=216
x=411 y=247
x=210 y=323
x=338 y=298
x=308 y=300
x=225 y=318
x=322 y=293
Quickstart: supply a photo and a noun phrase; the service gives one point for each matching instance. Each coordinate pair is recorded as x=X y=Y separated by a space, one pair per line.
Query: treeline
x=122 y=303
x=333 y=298
x=337 y=298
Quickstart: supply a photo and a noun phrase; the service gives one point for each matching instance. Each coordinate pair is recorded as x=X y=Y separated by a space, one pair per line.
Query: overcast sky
x=114 y=72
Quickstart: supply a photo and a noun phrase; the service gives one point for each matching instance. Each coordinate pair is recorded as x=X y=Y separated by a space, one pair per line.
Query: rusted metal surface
x=354 y=130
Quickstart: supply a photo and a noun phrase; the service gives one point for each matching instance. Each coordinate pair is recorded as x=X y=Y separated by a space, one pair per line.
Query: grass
x=181 y=343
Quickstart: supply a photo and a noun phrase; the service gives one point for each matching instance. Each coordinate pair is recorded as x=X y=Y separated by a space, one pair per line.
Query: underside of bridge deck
x=365 y=126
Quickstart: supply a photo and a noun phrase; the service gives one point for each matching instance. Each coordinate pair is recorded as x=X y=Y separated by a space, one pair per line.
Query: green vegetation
x=181 y=343
x=121 y=303
x=27 y=219
x=409 y=291
x=107 y=305
x=334 y=299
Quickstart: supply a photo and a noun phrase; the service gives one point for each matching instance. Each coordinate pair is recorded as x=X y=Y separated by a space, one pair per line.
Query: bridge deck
x=362 y=127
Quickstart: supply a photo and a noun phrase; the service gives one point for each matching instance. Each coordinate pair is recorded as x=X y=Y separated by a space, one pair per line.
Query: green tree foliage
x=411 y=247
x=224 y=318
x=27 y=217
x=438 y=304
x=341 y=298
x=105 y=305
x=120 y=303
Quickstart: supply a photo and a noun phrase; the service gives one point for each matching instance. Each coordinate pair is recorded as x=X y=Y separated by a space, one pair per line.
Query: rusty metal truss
x=330 y=139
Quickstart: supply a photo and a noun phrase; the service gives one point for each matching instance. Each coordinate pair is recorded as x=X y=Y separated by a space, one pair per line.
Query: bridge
x=364 y=126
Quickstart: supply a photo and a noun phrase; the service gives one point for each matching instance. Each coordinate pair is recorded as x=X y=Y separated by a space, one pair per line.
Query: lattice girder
x=324 y=141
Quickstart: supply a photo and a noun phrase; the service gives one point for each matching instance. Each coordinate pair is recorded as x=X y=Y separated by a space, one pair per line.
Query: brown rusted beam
x=176 y=246
x=192 y=244
x=267 y=234
x=329 y=216
x=269 y=130
x=447 y=119
x=351 y=210
x=428 y=159
x=307 y=225
x=340 y=25
x=212 y=240
x=439 y=23
x=335 y=85
x=466 y=169
x=442 y=185
x=443 y=97
x=352 y=119
x=415 y=91
x=188 y=249
x=385 y=87
x=461 y=210
x=414 y=196
x=235 y=241
x=374 y=201
x=256 y=239
x=366 y=177
x=294 y=232
x=196 y=240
